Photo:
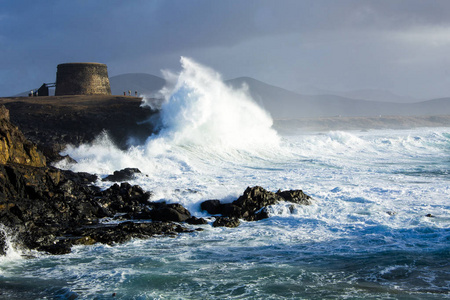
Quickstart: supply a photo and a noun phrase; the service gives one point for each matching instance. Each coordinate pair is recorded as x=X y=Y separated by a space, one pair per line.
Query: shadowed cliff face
x=53 y=122
x=14 y=148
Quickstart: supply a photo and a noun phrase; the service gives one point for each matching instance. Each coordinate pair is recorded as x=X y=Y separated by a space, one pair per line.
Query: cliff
x=55 y=121
x=14 y=147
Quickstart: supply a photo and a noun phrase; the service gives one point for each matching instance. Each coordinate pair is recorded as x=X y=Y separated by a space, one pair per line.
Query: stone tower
x=82 y=79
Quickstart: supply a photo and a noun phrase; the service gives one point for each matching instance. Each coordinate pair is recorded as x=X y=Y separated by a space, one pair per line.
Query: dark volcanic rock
x=2 y=241
x=50 y=209
x=251 y=206
x=196 y=221
x=47 y=206
x=226 y=222
x=213 y=207
x=169 y=212
x=295 y=196
x=122 y=175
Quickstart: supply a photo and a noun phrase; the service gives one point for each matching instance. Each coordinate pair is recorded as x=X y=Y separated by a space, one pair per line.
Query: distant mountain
x=144 y=84
x=284 y=104
x=367 y=94
x=376 y=95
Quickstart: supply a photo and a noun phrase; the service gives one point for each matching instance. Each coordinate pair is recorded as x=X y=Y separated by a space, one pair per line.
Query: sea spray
x=8 y=249
x=200 y=109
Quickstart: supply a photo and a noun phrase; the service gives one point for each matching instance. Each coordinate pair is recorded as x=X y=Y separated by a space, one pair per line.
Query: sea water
x=378 y=228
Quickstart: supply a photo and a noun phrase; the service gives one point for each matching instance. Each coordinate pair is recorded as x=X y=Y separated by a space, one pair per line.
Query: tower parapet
x=82 y=79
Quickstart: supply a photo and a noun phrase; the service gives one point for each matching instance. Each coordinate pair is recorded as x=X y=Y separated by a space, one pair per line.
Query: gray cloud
x=397 y=45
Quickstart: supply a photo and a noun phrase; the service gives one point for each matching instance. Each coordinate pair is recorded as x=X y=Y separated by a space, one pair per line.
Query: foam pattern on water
x=367 y=234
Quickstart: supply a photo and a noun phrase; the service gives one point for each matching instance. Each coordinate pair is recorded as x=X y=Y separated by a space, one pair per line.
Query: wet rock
x=3 y=246
x=169 y=212
x=226 y=222
x=57 y=248
x=295 y=196
x=196 y=221
x=251 y=206
x=429 y=216
x=123 y=175
x=213 y=207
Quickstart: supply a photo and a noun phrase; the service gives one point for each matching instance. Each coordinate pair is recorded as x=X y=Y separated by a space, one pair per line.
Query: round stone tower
x=82 y=79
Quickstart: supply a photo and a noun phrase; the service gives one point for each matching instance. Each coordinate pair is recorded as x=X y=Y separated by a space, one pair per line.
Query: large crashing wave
x=199 y=115
x=199 y=109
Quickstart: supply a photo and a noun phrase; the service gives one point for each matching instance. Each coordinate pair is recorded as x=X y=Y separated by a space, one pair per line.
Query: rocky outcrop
x=122 y=175
x=251 y=206
x=14 y=147
x=226 y=222
x=50 y=209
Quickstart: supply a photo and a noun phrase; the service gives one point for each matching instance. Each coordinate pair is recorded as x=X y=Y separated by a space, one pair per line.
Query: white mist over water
x=7 y=241
x=200 y=110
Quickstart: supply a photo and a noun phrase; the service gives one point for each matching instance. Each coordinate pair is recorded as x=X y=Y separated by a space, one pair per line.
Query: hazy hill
x=284 y=104
x=376 y=95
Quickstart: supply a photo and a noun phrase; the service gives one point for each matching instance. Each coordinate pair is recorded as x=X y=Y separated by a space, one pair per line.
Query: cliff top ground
x=75 y=101
x=54 y=121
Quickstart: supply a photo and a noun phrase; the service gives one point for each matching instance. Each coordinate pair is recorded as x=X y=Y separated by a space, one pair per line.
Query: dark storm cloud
x=327 y=43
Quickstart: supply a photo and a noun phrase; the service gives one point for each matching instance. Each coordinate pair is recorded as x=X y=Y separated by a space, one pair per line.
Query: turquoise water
x=365 y=237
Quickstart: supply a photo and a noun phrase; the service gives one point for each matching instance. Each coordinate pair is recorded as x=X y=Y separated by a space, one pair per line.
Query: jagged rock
x=58 y=248
x=295 y=196
x=14 y=147
x=2 y=241
x=226 y=222
x=169 y=212
x=213 y=207
x=122 y=175
x=251 y=205
x=196 y=221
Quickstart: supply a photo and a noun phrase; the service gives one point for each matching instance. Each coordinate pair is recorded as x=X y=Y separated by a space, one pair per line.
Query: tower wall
x=82 y=79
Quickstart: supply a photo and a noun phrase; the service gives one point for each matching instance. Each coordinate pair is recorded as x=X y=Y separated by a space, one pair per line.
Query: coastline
x=51 y=210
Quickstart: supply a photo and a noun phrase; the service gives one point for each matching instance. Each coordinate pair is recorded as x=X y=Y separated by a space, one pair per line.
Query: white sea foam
x=200 y=110
x=11 y=252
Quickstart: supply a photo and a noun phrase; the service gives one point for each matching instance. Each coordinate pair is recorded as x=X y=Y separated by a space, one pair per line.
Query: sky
x=402 y=46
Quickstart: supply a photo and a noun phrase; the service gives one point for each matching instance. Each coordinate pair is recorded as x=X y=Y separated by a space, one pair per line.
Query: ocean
x=378 y=228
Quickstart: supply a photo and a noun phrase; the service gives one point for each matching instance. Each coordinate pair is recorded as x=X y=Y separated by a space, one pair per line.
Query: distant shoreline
x=288 y=126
